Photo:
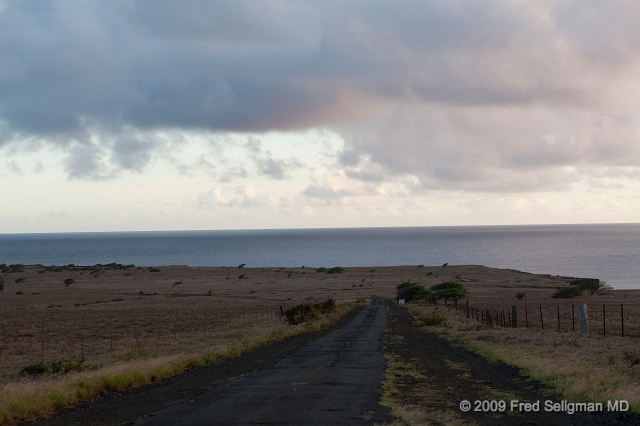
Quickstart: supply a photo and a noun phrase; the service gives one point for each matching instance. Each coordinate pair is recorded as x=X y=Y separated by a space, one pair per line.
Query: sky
x=172 y=115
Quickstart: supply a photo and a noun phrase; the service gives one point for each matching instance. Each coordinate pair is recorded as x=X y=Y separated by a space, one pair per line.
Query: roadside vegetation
x=410 y=291
x=579 y=368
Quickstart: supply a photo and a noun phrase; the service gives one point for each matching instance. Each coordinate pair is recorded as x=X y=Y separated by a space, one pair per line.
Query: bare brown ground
x=115 y=314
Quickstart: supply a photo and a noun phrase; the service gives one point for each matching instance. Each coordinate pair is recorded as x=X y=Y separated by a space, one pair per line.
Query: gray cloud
x=479 y=95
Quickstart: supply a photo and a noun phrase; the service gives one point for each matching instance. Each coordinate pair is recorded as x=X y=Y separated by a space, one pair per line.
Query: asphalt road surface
x=334 y=380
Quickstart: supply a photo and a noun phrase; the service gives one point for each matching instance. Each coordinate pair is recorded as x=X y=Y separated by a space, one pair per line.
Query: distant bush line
x=578 y=286
x=413 y=291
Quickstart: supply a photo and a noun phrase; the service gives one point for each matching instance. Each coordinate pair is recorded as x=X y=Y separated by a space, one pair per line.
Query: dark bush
x=335 y=270
x=242 y=276
x=321 y=269
x=63 y=365
x=448 y=289
x=434 y=319
x=154 y=270
x=241 y=265
x=411 y=291
x=567 y=292
x=20 y=280
x=592 y=285
x=69 y=281
x=308 y=311
x=520 y=296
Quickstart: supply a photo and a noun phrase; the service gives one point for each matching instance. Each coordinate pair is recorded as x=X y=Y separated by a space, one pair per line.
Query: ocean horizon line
x=328 y=228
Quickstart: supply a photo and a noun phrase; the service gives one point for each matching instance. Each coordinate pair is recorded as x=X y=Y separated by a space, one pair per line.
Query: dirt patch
x=125 y=407
x=443 y=375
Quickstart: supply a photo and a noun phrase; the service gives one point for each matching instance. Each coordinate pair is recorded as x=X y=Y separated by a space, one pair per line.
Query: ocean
x=609 y=252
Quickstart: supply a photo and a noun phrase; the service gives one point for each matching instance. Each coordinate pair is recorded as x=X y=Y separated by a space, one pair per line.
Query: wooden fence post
x=42 y=342
x=514 y=317
x=622 y=317
x=489 y=319
x=110 y=331
x=541 y=319
x=175 y=327
x=466 y=308
x=584 y=320
x=558 y=317
x=82 y=338
x=526 y=316
x=573 y=319
x=604 y=322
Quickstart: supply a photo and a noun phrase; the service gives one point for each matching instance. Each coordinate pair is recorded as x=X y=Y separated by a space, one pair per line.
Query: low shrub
x=520 y=295
x=308 y=311
x=567 y=292
x=321 y=269
x=20 y=280
x=411 y=291
x=154 y=269
x=240 y=266
x=63 y=365
x=448 y=289
x=592 y=285
x=434 y=319
x=335 y=270
x=69 y=281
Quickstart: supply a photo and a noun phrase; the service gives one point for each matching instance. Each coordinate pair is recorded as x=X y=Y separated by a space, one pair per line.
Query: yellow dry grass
x=579 y=368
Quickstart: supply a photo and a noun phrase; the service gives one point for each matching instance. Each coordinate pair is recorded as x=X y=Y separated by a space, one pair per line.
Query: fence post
x=558 y=317
x=204 y=326
x=42 y=341
x=158 y=327
x=514 y=317
x=175 y=327
x=489 y=319
x=110 y=331
x=82 y=338
x=622 y=317
x=135 y=329
x=466 y=308
x=526 y=316
x=604 y=322
x=541 y=319
x=584 y=320
x=573 y=319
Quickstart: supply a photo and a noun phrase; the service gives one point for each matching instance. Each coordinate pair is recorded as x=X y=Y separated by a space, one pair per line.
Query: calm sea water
x=608 y=252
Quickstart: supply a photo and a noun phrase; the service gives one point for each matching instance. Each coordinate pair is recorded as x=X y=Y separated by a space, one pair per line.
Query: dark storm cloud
x=468 y=94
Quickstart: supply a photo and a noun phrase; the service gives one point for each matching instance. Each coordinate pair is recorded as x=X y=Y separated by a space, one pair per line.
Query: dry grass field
x=144 y=323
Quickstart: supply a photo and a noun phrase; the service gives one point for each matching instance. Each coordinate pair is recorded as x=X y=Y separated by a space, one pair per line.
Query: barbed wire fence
x=604 y=319
x=88 y=334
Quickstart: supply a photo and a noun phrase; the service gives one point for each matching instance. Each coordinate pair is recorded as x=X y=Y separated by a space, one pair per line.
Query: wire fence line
x=604 y=319
x=88 y=334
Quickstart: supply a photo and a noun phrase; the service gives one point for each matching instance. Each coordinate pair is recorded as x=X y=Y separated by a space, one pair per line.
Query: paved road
x=334 y=380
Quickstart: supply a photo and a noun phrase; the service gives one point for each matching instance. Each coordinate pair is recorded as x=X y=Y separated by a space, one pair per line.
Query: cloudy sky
x=161 y=115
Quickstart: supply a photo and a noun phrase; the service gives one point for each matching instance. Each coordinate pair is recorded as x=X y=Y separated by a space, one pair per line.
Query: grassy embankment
x=578 y=368
x=31 y=397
